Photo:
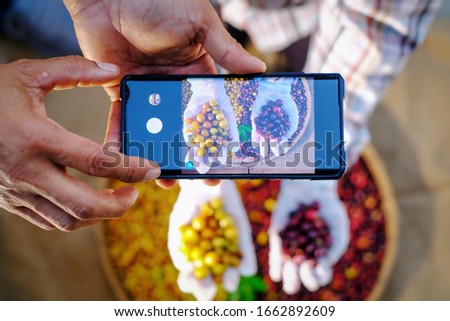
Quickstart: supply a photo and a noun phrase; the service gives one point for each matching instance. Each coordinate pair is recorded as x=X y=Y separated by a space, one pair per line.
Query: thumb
x=226 y=51
x=67 y=72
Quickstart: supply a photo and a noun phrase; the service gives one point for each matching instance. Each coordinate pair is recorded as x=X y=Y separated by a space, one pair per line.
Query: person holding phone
x=366 y=42
x=34 y=183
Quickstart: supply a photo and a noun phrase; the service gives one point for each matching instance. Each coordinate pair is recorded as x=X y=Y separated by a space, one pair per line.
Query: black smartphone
x=259 y=126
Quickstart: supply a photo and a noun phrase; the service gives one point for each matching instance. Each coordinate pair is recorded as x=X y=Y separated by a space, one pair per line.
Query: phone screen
x=219 y=126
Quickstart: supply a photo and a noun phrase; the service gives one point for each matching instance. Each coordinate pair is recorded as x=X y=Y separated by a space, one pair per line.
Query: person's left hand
x=35 y=150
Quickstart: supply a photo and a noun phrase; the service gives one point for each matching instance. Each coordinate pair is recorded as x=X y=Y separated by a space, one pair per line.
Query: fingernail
x=135 y=196
x=263 y=66
x=108 y=67
x=152 y=174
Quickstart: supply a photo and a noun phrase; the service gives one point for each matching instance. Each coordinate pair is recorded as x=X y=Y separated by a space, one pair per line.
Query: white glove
x=272 y=90
x=204 y=91
x=284 y=268
x=193 y=194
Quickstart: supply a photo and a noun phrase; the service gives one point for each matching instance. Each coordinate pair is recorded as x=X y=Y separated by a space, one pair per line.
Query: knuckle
x=15 y=175
x=73 y=63
x=47 y=227
x=131 y=174
x=29 y=73
x=67 y=224
x=84 y=210
x=98 y=206
x=94 y=164
x=116 y=209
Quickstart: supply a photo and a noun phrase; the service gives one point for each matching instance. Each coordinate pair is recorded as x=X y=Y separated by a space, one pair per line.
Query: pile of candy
x=298 y=94
x=137 y=243
x=366 y=250
x=306 y=235
x=242 y=93
x=209 y=129
x=211 y=241
x=272 y=122
x=186 y=93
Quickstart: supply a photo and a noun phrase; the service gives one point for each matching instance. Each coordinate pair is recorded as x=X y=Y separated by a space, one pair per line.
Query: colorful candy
x=306 y=235
x=273 y=121
x=242 y=93
x=209 y=130
x=186 y=93
x=298 y=94
x=211 y=241
x=137 y=243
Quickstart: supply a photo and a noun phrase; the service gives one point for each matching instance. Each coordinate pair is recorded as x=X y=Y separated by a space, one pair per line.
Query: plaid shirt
x=367 y=42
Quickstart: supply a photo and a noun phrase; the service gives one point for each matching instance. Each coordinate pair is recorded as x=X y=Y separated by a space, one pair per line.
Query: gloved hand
x=292 y=271
x=274 y=125
x=192 y=196
x=207 y=92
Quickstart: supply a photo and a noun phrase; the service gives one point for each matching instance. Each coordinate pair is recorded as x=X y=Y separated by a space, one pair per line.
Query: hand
x=205 y=91
x=156 y=37
x=192 y=195
x=293 y=271
x=274 y=92
x=35 y=150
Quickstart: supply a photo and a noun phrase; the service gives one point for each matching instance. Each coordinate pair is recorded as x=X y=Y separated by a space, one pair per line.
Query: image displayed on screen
x=239 y=126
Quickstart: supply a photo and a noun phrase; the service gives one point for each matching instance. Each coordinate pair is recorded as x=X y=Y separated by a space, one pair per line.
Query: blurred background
x=409 y=131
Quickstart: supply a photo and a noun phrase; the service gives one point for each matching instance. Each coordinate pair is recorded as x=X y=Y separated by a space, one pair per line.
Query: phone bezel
x=335 y=126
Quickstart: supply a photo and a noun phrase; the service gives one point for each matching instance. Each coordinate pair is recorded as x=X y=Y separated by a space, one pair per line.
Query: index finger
x=79 y=199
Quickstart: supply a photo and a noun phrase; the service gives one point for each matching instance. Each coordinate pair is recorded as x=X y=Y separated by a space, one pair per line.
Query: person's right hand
x=35 y=150
x=193 y=195
x=294 y=272
x=157 y=37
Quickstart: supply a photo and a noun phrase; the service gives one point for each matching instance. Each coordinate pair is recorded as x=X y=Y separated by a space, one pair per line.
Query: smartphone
x=258 y=126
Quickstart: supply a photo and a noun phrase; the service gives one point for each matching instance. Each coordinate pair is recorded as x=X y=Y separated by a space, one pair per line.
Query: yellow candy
x=262 y=238
x=201 y=272
x=196 y=253
x=209 y=142
x=211 y=258
x=207 y=210
x=210 y=241
x=216 y=203
x=225 y=222
x=198 y=223
x=231 y=233
x=195 y=125
x=200 y=118
x=200 y=152
x=269 y=204
x=190 y=236
x=218 y=269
